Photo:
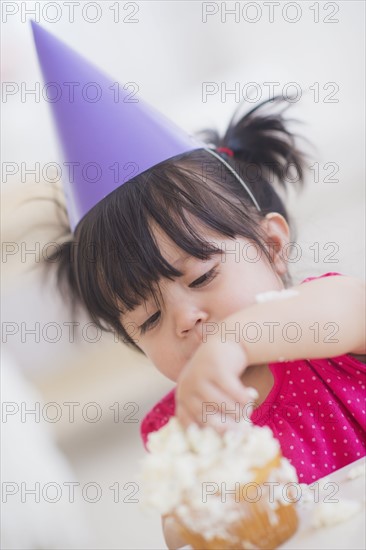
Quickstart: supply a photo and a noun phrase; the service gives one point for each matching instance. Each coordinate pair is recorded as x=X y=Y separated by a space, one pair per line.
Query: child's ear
x=277 y=237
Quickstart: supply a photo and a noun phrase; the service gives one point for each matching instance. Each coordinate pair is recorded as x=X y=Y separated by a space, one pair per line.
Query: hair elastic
x=225 y=150
x=212 y=152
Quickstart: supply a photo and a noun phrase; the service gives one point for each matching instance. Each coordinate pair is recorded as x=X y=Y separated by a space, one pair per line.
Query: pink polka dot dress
x=316 y=409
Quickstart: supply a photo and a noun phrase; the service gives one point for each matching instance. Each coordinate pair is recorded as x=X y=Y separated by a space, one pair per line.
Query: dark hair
x=112 y=262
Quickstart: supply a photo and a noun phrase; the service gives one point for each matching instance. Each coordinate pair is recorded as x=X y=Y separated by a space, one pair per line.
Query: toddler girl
x=185 y=252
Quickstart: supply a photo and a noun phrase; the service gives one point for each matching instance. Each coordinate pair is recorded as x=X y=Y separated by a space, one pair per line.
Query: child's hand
x=210 y=382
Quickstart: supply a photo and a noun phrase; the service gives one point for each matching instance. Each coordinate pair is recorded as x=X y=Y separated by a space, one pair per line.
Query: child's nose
x=189 y=320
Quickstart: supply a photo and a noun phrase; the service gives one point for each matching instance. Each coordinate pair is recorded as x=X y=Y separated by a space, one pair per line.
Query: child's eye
x=206 y=278
x=147 y=325
x=201 y=281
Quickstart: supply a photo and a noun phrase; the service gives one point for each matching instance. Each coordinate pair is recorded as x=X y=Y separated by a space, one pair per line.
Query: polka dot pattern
x=324 y=432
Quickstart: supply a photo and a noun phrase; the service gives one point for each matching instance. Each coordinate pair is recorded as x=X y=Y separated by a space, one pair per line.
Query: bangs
x=112 y=262
x=124 y=264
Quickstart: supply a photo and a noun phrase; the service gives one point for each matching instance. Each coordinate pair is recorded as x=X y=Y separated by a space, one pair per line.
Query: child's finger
x=185 y=416
x=206 y=402
x=217 y=409
x=219 y=405
x=236 y=391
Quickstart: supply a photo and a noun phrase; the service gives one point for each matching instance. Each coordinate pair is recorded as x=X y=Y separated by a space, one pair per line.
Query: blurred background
x=70 y=468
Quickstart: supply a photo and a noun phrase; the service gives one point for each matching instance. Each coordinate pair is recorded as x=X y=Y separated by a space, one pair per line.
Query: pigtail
x=58 y=253
x=265 y=141
x=264 y=151
x=63 y=262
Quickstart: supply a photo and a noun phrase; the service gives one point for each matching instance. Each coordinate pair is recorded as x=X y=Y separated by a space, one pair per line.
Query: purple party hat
x=108 y=136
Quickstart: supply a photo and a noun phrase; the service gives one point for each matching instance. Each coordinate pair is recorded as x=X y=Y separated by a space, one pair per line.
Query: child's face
x=178 y=327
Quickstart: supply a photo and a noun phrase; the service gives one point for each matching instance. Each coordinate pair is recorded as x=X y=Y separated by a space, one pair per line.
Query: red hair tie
x=225 y=150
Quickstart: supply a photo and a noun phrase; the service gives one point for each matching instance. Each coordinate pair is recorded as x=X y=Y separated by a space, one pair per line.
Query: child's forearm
x=325 y=319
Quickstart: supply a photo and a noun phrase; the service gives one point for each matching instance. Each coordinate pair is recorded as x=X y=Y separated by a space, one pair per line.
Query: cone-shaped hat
x=107 y=134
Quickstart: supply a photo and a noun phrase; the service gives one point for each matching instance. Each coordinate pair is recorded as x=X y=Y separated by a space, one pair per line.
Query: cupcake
x=224 y=491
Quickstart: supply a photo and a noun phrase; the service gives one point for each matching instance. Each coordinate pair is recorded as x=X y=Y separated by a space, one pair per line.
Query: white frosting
x=186 y=467
x=272 y=295
x=330 y=513
x=356 y=471
x=307 y=495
